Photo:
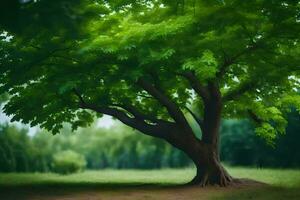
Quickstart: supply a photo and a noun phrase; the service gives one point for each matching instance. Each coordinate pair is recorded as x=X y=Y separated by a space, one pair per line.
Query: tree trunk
x=206 y=159
x=205 y=152
x=209 y=169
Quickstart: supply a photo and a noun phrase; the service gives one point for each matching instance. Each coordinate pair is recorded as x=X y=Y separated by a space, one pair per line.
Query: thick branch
x=136 y=123
x=212 y=115
x=141 y=116
x=172 y=108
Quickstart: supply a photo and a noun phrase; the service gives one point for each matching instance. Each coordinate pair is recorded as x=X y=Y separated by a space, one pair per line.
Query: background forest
x=119 y=147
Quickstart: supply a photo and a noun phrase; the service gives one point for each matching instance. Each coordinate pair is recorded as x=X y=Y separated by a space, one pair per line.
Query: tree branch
x=229 y=61
x=172 y=108
x=137 y=114
x=196 y=85
x=148 y=129
x=158 y=130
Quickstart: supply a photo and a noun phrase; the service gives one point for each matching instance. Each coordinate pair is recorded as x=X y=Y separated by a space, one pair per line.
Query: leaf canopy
x=99 y=48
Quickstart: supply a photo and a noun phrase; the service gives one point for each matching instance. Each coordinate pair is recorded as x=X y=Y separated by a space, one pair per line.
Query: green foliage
x=67 y=162
x=85 y=118
x=101 y=48
x=205 y=66
x=273 y=115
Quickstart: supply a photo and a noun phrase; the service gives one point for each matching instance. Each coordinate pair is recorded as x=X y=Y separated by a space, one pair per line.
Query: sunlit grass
x=165 y=176
x=146 y=184
x=276 y=177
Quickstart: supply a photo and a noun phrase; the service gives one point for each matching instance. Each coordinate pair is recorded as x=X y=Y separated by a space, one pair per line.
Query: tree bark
x=206 y=159
x=205 y=152
x=209 y=169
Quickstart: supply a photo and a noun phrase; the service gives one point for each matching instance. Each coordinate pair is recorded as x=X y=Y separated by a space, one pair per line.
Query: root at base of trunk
x=213 y=177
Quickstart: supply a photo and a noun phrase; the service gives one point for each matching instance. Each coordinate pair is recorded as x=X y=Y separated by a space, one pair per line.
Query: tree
x=149 y=64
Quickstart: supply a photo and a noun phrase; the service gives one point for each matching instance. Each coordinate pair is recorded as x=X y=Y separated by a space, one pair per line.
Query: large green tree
x=149 y=64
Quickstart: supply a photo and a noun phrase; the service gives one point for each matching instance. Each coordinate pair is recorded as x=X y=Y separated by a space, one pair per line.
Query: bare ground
x=127 y=192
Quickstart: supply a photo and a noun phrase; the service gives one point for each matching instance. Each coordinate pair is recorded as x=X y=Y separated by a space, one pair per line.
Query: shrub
x=67 y=162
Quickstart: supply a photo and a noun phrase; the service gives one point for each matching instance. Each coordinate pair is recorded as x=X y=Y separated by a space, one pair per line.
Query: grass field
x=147 y=184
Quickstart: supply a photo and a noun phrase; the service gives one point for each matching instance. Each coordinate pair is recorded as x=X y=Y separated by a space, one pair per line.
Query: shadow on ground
x=55 y=190
x=141 y=191
x=264 y=193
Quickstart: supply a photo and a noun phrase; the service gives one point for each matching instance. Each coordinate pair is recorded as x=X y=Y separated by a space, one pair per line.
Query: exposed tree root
x=223 y=181
x=218 y=176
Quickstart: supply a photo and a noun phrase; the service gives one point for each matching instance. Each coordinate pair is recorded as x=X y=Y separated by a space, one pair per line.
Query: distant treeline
x=120 y=147
x=240 y=145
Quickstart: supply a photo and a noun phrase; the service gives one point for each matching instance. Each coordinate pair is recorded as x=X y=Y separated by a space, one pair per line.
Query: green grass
x=146 y=184
x=283 y=184
x=165 y=176
x=274 y=177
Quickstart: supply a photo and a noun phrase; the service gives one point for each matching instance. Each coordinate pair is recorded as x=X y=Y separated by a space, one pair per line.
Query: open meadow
x=147 y=184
